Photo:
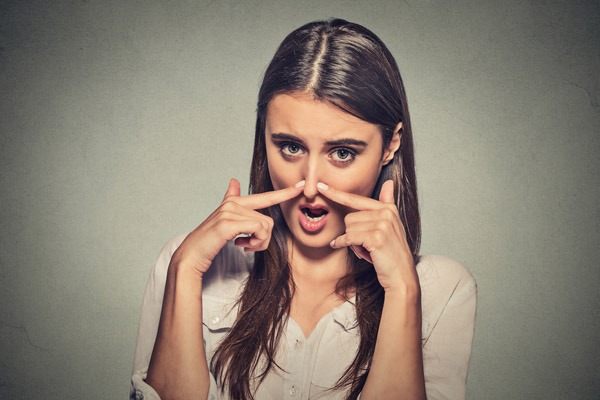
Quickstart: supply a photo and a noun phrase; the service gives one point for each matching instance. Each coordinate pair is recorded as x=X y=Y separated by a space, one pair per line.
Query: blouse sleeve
x=449 y=298
x=149 y=319
x=151 y=310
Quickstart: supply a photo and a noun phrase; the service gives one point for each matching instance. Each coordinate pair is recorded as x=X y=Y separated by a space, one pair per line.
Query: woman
x=311 y=286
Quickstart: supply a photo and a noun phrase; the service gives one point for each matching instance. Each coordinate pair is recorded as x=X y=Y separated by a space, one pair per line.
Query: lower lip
x=312 y=226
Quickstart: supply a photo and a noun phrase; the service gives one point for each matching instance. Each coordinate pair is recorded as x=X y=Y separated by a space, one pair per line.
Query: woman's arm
x=397 y=367
x=376 y=233
x=450 y=297
x=178 y=368
x=149 y=320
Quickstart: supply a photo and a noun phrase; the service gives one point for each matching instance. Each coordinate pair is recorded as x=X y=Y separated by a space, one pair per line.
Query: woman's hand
x=236 y=215
x=178 y=367
x=374 y=232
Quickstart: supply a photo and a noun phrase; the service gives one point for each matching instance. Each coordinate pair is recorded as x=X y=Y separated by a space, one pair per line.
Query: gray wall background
x=121 y=123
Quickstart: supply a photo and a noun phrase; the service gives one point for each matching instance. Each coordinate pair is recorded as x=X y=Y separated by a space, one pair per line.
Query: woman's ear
x=390 y=151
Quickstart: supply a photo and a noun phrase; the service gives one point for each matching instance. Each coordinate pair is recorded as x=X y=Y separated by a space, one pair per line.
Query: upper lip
x=314 y=206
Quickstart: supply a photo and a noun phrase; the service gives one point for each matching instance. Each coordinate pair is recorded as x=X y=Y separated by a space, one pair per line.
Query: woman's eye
x=342 y=155
x=290 y=149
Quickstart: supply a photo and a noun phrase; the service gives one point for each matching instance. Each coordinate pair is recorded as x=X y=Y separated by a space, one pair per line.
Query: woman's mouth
x=313 y=217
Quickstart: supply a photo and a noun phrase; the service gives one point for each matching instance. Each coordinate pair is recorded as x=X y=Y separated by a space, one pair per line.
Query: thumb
x=386 y=195
x=233 y=189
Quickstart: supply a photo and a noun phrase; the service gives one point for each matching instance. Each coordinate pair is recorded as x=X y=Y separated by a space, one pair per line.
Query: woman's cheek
x=355 y=186
x=276 y=183
x=275 y=177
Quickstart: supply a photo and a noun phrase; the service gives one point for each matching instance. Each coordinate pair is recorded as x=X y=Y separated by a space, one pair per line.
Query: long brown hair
x=348 y=66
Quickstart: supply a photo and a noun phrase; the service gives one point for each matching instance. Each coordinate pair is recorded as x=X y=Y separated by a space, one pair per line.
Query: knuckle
x=390 y=211
x=348 y=218
x=261 y=224
x=228 y=205
x=265 y=244
x=348 y=237
x=222 y=226
x=378 y=237
x=383 y=225
x=225 y=215
x=270 y=222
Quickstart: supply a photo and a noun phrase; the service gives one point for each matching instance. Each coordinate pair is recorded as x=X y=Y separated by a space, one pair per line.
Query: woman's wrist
x=404 y=291
x=407 y=303
x=184 y=277
x=404 y=288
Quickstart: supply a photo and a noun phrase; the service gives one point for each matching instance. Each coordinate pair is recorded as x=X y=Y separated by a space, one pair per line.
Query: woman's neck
x=319 y=268
x=316 y=273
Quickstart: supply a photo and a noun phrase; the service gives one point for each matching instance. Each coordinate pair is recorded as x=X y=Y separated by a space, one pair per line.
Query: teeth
x=320 y=217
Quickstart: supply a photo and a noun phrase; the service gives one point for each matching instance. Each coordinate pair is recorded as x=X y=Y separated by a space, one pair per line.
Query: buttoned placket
x=296 y=364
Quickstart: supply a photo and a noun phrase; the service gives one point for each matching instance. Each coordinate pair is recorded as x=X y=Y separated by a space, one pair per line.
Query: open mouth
x=314 y=215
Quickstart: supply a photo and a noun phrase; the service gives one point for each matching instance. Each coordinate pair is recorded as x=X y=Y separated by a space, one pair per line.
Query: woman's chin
x=319 y=240
x=312 y=242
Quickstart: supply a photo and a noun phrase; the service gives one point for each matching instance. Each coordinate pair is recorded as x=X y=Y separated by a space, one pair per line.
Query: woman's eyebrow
x=347 y=142
x=285 y=136
x=338 y=142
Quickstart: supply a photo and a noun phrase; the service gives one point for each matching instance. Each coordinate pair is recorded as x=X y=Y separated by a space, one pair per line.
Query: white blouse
x=314 y=364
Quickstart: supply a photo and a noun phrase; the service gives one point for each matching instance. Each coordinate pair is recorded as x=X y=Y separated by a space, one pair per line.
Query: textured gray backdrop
x=121 y=123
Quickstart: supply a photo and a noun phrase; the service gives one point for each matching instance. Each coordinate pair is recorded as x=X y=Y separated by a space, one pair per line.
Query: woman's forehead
x=302 y=115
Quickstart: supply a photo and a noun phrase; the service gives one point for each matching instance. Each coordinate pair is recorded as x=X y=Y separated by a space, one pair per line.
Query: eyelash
x=284 y=149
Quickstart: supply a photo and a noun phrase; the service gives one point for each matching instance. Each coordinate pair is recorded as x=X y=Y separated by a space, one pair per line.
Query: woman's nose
x=312 y=178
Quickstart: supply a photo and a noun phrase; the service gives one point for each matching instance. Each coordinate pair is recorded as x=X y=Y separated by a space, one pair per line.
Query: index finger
x=267 y=199
x=354 y=201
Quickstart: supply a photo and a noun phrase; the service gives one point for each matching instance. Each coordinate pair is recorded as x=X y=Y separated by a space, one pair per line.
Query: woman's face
x=315 y=141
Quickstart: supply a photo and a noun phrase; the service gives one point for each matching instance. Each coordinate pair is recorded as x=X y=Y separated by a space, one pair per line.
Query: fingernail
x=322 y=186
x=332 y=243
x=300 y=184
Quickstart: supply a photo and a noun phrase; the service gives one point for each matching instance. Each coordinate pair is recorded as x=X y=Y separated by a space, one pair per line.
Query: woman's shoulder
x=446 y=286
x=436 y=269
